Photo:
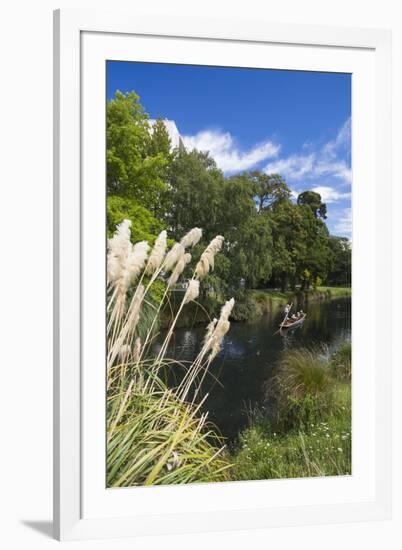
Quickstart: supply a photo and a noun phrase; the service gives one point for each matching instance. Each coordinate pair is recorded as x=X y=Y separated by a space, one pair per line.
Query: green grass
x=303 y=388
x=154 y=438
x=310 y=434
x=324 y=449
x=341 y=362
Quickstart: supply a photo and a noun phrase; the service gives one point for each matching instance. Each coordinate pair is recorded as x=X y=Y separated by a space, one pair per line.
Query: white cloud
x=228 y=157
x=329 y=160
x=342 y=140
x=329 y=194
x=343 y=225
x=294 y=167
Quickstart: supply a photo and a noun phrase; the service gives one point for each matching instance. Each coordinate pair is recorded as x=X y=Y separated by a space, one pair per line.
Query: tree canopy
x=270 y=239
x=137 y=161
x=312 y=199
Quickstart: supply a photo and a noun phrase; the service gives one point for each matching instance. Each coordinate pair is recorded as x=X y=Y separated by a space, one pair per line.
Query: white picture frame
x=83 y=507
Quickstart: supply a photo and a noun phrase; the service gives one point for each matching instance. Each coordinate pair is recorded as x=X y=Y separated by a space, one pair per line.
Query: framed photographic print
x=222 y=354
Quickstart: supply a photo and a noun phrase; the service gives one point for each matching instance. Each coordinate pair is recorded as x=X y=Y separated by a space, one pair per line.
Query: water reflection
x=250 y=350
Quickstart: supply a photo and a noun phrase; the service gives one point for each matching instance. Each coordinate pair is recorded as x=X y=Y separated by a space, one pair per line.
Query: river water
x=246 y=363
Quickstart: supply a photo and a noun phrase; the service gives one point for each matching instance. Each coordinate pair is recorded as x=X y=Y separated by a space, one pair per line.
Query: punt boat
x=290 y=323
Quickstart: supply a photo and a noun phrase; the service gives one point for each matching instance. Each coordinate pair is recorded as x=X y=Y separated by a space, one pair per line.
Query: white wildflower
x=192 y=237
x=192 y=291
x=158 y=253
x=207 y=260
x=179 y=268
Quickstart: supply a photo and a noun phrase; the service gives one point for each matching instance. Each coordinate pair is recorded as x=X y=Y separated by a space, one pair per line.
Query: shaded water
x=249 y=352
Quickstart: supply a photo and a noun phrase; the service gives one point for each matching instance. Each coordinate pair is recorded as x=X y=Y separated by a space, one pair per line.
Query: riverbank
x=270 y=301
x=309 y=431
x=254 y=304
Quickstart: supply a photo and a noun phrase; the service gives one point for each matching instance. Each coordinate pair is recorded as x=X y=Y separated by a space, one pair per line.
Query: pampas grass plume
x=119 y=247
x=192 y=237
x=173 y=256
x=221 y=328
x=179 y=268
x=207 y=260
x=157 y=254
x=192 y=291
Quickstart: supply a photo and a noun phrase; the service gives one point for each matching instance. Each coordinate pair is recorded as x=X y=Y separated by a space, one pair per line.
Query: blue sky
x=294 y=123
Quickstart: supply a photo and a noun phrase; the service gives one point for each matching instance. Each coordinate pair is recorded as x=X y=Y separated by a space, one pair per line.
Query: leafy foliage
x=270 y=241
x=341 y=262
x=312 y=199
x=144 y=225
x=136 y=168
x=269 y=189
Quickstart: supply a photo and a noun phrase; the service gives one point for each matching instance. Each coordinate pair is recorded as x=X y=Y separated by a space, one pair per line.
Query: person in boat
x=294 y=317
x=287 y=309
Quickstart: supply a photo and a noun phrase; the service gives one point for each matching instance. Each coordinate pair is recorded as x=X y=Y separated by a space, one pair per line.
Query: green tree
x=313 y=201
x=289 y=242
x=269 y=240
x=247 y=233
x=340 y=272
x=160 y=141
x=144 y=226
x=196 y=186
x=269 y=189
x=134 y=168
x=316 y=255
x=202 y=197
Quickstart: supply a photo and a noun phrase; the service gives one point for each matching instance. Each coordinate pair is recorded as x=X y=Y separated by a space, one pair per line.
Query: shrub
x=246 y=309
x=303 y=388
